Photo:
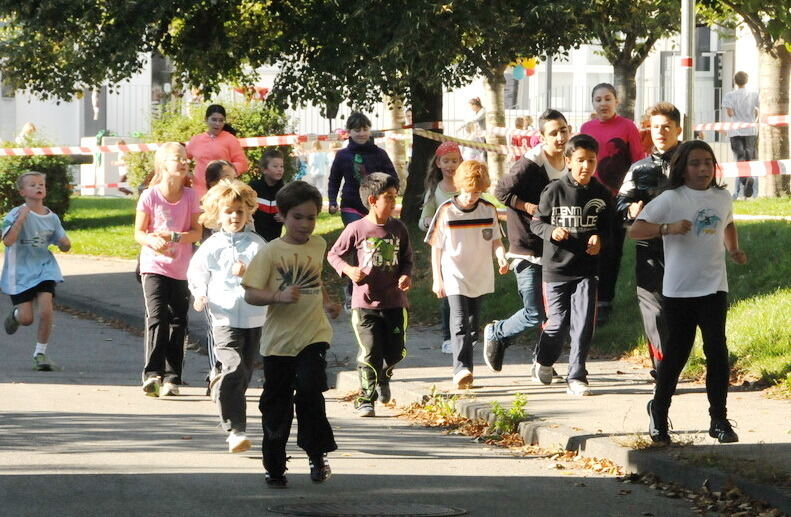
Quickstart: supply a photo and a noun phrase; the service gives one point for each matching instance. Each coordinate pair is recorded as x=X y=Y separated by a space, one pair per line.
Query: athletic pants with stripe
x=381 y=338
x=649 y=271
x=570 y=305
x=167 y=303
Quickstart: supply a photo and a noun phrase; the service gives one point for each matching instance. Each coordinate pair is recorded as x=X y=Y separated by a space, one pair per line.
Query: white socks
x=41 y=348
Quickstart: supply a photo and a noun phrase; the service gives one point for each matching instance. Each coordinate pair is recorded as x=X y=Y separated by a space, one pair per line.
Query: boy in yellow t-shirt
x=286 y=276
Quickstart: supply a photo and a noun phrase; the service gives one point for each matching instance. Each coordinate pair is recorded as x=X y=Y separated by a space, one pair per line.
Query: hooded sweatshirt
x=584 y=210
x=352 y=164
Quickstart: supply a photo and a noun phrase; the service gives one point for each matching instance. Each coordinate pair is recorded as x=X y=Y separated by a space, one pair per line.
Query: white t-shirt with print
x=695 y=261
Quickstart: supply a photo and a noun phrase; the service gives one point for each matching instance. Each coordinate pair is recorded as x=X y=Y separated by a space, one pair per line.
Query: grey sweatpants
x=235 y=349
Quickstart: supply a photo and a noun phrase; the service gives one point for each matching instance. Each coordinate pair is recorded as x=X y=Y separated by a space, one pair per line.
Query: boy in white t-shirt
x=30 y=270
x=462 y=235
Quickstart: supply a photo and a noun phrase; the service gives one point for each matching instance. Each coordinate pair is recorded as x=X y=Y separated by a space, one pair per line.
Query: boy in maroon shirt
x=380 y=281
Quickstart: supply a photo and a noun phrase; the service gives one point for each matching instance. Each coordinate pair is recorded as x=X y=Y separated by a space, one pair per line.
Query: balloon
x=519 y=72
x=530 y=71
x=531 y=63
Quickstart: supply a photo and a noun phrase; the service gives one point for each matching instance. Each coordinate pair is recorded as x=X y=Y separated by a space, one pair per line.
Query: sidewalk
x=603 y=425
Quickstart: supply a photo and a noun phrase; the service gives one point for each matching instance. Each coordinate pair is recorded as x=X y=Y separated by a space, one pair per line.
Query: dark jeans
x=528 y=282
x=166 y=303
x=649 y=272
x=570 y=306
x=743 y=148
x=444 y=311
x=380 y=336
x=465 y=314
x=235 y=350
x=610 y=261
x=295 y=382
x=684 y=316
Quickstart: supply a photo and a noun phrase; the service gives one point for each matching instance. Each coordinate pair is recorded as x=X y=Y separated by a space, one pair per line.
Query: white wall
x=129 y=107
x=58 y=123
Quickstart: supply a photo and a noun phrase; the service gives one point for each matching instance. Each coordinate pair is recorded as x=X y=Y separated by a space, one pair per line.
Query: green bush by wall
x=55 y=167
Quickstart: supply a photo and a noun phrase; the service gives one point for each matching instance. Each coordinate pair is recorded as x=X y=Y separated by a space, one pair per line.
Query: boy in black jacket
x=573 y=217
x=519 y=191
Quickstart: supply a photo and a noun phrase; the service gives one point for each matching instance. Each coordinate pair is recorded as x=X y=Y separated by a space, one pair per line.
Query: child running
x=573 y=219
x=440 y=188
x=381 y=279
x=463 y=235
x=166 y=225
x=286 y=276
x=215 y=280
x=30 y=270
x=268 y=223
x=619 y=147
x=519 y=191
x=694 y=217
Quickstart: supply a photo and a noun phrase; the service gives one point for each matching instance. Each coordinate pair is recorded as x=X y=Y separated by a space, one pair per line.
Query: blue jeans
x=528 y=282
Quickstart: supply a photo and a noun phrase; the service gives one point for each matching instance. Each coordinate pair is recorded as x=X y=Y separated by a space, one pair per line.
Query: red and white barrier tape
x=771 y=120
x=754 y=169
x=510 y=150
x=106 y=185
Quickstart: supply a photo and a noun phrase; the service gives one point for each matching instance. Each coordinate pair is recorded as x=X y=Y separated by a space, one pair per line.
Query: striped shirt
x=465 y=237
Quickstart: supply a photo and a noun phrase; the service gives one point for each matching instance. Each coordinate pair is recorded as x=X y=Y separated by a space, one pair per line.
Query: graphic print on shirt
x=574 y=217
x=612 y=169
x=300 y=272
x=706 y=221
x=380 y=252
x=39 y=240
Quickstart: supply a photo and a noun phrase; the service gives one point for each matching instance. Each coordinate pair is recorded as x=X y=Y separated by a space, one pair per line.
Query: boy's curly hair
x=225 y=192
x=472 y=176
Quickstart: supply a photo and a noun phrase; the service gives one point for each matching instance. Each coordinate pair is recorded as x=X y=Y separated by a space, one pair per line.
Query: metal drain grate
x=366 y=510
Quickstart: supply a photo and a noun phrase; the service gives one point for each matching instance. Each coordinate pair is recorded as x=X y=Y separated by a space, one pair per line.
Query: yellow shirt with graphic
x=290 y=327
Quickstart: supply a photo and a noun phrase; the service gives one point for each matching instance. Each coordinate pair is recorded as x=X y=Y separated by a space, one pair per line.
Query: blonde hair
x=225 y=192
x=161 y=155
x=20 y=181
x=472 y=176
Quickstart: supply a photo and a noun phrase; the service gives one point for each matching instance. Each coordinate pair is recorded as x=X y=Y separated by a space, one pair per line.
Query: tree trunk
x=426 y=107
x=494 y=100
x=775 y=74
x=396 y=148
x=626 y=86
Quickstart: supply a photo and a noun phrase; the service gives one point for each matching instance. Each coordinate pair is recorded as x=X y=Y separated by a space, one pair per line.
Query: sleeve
x=428 y=210
x=345 y=243
x=435 y=236
x=405 y=259
x=9 y=220
x=497 y=231
x=506 y=186
x=657 y=210
x=540 y=223
x=635 y=144
x=727 y=101
x=236 y=153
x=387 y=164
x=59 y=232
x=334 y=181
x=626 y=194
x=144 y=203
x=259 y=270
x=198 y=274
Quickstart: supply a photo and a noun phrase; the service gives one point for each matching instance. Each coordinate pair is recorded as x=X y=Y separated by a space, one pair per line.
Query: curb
x=548 y=435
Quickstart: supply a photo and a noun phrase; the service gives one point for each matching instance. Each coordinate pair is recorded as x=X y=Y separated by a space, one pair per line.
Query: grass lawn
x=759 y=337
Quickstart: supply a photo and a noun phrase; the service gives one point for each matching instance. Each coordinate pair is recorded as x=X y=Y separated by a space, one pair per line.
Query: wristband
x=175 y=236
x=663 y=229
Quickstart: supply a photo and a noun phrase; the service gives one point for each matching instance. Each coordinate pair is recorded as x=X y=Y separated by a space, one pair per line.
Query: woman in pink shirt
x=219 y=142
x=619 y=147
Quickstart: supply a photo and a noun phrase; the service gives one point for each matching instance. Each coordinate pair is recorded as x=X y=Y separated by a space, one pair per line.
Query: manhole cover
x=366 y=510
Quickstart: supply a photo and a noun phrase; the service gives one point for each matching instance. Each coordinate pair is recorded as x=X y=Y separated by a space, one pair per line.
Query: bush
x=254 y=118
x=55 y=167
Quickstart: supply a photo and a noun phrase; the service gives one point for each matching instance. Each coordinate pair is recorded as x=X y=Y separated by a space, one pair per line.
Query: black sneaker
x=657 y=426
x=273 y=481
x=319 y=468
x=493 y=349
x=722 y=430
x=383 y=394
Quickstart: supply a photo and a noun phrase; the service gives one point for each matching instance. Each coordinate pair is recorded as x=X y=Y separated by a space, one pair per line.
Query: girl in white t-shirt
x=694 y=217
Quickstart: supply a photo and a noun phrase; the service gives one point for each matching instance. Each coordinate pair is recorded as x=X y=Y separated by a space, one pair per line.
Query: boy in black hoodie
x=573 y=219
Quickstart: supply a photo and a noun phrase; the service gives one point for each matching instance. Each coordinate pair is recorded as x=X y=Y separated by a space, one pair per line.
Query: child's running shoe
x=578 y=388
x=151 y=386
x=273 y=481
x=41 y=363
x=493 y=348
x=365 y=409
x=319 y=468
x=463 y=379
x=169 y=389
x=447 y=347
x=11 y=324
x=238 y=442
x=657 y=425
x=722 y=430
x=383 y=392
x=542 y=374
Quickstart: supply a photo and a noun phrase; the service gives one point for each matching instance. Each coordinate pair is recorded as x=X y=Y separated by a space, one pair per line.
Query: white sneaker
x=151 y=386
x=578 y=387
x=542 y=374
x=447 y=347
x=238 y=442
x=463 y=379
x=169 y=390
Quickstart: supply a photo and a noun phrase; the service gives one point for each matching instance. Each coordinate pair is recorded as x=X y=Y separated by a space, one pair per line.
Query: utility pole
x=686 y=84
